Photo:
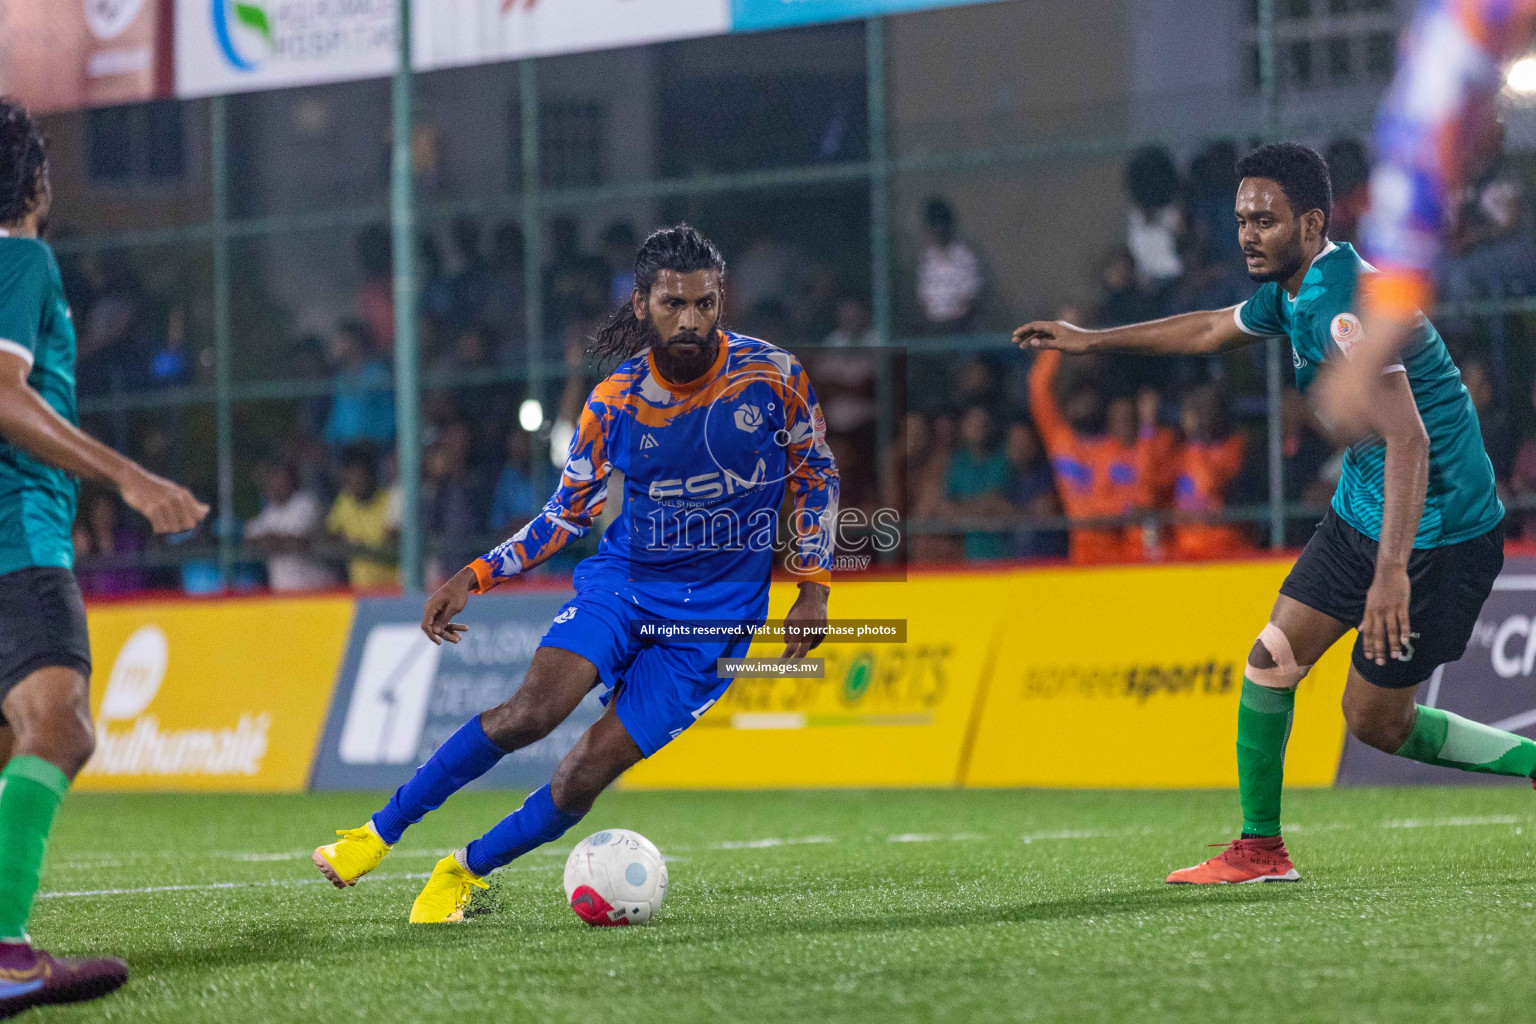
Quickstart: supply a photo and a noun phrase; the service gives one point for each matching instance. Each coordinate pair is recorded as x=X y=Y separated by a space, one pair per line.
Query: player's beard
x=682 y=367
x=1292 y=263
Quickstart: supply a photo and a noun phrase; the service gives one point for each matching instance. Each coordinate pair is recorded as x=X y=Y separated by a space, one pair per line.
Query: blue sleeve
x=1260 y=315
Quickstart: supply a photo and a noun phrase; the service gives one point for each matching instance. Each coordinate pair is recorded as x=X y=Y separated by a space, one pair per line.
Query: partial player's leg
x=1287 y=648
x=48 y=712
x=45 y=665
x=556 y=682
x=603 y=753
x=1391 y=721
x=1321 y=598
x=1450 y=585
x=665 y=688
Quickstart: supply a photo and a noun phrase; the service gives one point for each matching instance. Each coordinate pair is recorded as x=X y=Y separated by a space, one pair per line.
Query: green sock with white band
x=1451 y=741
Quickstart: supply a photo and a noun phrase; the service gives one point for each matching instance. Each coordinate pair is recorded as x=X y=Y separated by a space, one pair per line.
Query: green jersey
x=1462 y=501
x=37 y=501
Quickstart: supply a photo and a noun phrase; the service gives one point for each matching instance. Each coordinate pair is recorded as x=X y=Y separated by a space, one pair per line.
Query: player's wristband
x=485 y=581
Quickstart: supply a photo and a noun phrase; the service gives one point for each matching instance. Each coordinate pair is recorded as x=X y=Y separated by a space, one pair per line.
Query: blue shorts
x=662 y=685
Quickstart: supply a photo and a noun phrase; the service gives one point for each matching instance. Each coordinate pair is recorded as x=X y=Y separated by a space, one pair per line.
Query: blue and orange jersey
x=706 y=466
x=1449 y=70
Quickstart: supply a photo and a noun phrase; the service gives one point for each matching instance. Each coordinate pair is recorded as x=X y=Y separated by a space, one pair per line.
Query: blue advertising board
x=399 y=696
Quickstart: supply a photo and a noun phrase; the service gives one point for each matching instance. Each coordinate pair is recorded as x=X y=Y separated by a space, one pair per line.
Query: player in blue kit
x=1414 y=539
x=708 y=429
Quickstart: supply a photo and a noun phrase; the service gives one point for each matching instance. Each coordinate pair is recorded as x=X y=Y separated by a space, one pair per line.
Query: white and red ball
x=615 y=877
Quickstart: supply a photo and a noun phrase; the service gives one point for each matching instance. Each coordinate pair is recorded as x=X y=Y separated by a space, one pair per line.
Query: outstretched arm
x=1206 y=332
x=569 y=514
x=31 y=424
x=1385 y=630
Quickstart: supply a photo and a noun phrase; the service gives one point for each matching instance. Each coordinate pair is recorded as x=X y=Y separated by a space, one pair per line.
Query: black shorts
x=42 y=625
x=1449 y=584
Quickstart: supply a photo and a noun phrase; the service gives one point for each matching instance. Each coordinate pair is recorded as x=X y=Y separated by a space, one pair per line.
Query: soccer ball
x=615 y=877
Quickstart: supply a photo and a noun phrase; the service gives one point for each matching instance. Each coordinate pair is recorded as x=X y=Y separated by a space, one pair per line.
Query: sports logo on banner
x=389 y=697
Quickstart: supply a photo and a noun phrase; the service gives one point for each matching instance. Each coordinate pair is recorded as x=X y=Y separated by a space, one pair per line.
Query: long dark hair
x=680 y=249
x=23 y=162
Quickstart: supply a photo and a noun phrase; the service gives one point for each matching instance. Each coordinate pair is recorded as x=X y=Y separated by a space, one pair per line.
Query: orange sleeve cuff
x=484 y=581
x=822 y=576
x=1398 y=293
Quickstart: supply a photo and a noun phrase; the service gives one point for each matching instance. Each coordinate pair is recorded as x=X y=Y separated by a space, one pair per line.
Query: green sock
x=1263 y=727
x=1451 y=741
x=30 y=792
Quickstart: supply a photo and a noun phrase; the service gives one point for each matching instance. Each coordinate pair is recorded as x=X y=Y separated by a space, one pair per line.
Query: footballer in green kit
x=45 y=653
x=1412 y=543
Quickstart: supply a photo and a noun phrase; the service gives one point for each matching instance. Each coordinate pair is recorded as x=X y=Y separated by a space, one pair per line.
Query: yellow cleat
x=357 y=853
x=446 y=895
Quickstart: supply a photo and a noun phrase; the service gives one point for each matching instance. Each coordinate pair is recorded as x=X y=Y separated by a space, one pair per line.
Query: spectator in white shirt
x=949 y=279
x=1156 y=224
x=285 y=529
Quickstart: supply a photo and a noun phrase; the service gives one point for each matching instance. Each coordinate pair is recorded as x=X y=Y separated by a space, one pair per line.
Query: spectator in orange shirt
x=1104 y=460
x=1208 y=464
x=1141 y=469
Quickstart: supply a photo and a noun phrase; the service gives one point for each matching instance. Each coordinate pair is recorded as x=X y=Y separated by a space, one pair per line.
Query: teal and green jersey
x=37 y=501
x=1322 y=324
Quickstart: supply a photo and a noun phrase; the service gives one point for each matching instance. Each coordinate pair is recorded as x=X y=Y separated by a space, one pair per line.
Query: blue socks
x=463 y=758
x=535 y=823
x=467 y=755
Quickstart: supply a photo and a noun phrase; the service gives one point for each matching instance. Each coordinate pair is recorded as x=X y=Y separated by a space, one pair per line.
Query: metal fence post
x=880 y=242
x=533 y=249
x=1269 y=95
x=402 y=201
x=224 y=422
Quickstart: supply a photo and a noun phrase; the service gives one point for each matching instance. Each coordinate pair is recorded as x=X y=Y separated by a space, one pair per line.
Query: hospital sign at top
x=245 y=45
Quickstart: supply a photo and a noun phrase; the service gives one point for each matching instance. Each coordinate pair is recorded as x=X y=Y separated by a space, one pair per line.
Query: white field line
x=269 y=883
x=763 y=844
x=1495 y=819
x=740 y=844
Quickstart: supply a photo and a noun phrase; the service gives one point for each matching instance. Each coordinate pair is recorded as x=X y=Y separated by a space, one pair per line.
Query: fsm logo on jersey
x=238 y=45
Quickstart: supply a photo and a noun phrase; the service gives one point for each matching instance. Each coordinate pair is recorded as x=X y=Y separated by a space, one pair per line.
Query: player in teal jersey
x=45 y=655
x=1414 y=539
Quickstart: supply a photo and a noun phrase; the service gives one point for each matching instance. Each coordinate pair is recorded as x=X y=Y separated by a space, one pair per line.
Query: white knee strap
x=1285 y=674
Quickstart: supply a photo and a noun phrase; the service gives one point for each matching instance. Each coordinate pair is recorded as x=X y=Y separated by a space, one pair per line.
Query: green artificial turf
x=1416 y=905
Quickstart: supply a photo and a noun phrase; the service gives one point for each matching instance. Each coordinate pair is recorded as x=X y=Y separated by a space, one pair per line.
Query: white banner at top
x=452 y=33
x=225 y=46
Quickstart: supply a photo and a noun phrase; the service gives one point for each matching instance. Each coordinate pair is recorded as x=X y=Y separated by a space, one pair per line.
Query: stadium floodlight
x=1521 y=77
x=530 y=415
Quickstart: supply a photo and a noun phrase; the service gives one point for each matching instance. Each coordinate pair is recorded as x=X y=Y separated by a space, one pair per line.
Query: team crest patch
x=1346 y=331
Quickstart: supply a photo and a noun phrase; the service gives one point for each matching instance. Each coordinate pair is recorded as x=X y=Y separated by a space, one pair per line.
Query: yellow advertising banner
x=885 y=714
x=1121 y=677
x=226 y=695
x=1129 y=678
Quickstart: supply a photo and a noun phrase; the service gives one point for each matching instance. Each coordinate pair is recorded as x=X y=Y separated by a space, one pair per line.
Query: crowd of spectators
x=1166 y=458
x=992 y=455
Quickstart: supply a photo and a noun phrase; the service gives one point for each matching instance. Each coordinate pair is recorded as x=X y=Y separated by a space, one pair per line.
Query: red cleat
x=1259 y=859
x=30 y=977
